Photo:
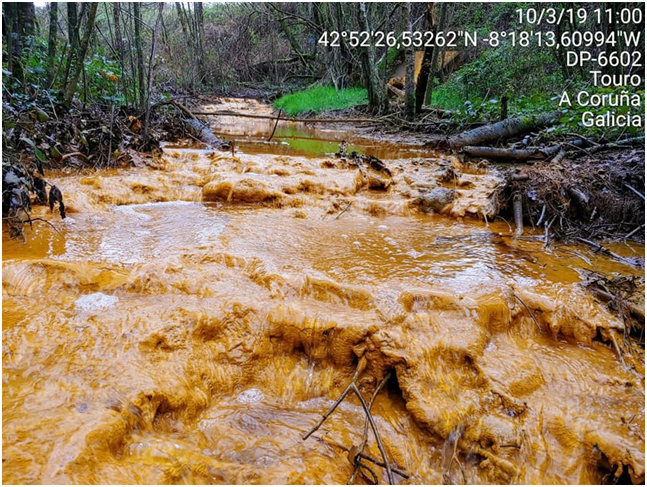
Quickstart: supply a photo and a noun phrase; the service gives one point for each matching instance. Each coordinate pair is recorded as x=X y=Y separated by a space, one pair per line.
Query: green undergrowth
x=321 y=98
x=534 y=82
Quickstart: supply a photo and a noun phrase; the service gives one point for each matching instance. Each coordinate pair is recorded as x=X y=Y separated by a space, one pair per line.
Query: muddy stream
x=197 y=314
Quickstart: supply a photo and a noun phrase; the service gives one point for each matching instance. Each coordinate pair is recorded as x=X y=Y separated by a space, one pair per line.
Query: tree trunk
x=502 y=130
x=140 y=53
x=83 y=50
x=73 y=35
x=150 y=71
x=51 y=41
x=9 y=14
x=119 y=49
x=425 y=68
x=377 y=98
x=511 y=154
x=410 y=59
x=180 y=14
x=199 y=35
x=26 y=18
x=438 y=26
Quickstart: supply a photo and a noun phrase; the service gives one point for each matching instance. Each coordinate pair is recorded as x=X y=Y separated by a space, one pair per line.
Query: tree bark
x=180 y=14
x=410 y=57
x=51 y=41
x=26 y=18
x=438 y=26
x=9 y=13
x=140 y=54
x=119 y=49
x=502 y=130
x=377 y=98
x=73 y=35
x=150 y=71
x=83 y=50
x=511 y=154
x=199 y=34
x=425 y=68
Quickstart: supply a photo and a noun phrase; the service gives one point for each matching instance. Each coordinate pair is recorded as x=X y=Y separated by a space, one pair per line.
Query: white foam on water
x=96 y=301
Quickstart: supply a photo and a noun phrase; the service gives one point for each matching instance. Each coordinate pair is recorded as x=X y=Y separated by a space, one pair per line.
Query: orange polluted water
x=195 y=319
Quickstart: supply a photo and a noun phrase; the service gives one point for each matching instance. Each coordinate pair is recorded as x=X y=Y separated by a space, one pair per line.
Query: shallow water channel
x=195 y=316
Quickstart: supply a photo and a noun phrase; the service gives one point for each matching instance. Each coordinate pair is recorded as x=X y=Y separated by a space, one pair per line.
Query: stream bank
x=199 y=312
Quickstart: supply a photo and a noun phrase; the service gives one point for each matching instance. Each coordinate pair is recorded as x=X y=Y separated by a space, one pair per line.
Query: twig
x=278 y=117
x=635 y=191
x=74 y=154
x=31 y=220
x=599 y=248
x=400 y=472
x=360 y=449
x=529 y=312
x=344 y=210
x=506 y=221
x=634 y=231
x=588 y=141
x=541 y=217
x=361 y=365
x=352 y=386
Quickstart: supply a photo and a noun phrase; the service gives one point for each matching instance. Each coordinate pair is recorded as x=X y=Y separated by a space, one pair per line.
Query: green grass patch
x=321 y=98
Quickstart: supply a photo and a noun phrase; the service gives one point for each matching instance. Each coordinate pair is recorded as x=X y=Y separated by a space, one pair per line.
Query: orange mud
x=195 y=318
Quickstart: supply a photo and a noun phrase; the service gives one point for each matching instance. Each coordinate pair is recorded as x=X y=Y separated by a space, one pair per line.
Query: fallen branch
x=203 y=132
x=599 y=248
x=278 y=117
x=344 y=210
x=74 y=154
x=226 y=113
x=352 y=387
x=501 y=130
x=528 y=310
x=635 y=191
x=511 y=154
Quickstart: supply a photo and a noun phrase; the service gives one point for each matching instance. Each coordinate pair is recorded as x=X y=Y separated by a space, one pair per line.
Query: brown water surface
x=194 y=318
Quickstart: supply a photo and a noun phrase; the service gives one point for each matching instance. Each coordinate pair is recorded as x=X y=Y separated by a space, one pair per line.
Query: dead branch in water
x=603 y=250
x=529 y=312
x=352 y=387
x=278 y=117
x=344 y=210
x=226 y=113
x=356 y=454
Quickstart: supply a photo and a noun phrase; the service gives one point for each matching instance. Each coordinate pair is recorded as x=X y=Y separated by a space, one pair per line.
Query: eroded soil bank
x=198 y=314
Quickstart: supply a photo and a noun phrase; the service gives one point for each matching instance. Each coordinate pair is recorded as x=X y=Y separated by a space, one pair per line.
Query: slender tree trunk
x=180 y=14
x=140 y=54
x=51 y=41
x=119 y=48
x=425 y=68
x=9 y=11
x=199 y=38
x=73 y=35
x=434 y=61
x=410 y=57
x=150 y=71
x=377 y=99
x=83 y=50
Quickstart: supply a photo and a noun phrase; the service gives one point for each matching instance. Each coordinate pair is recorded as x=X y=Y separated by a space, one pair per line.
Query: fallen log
x=501 y=130
x=511 y=154
x=204 y=133
x=200 y=130
x=228 y=113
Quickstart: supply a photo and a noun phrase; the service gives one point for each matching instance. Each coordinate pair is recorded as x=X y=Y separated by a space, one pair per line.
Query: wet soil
x=198 y=314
